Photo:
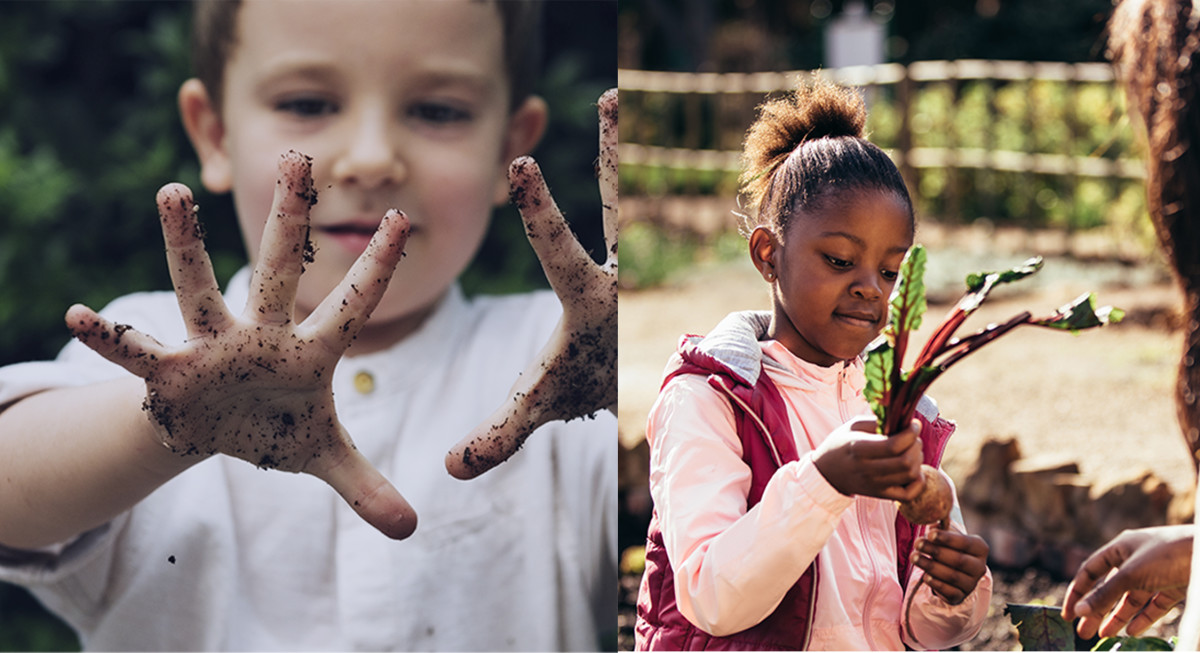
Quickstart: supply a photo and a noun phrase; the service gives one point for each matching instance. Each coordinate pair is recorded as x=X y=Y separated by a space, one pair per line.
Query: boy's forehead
x=374 y=27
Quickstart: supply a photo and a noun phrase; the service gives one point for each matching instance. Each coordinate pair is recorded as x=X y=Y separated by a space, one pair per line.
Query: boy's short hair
x=214 y=35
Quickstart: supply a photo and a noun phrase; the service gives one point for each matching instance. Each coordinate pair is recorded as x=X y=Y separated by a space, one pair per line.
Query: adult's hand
x=1145 y=570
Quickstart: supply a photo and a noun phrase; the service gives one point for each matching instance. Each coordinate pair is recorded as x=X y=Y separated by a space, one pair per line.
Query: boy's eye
x=438 y=113
x=306 y=107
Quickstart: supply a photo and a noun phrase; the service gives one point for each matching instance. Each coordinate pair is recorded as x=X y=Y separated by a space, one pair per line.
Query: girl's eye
x=838 y=263
x=306 y=107
x=890 y=275
x=438 y=113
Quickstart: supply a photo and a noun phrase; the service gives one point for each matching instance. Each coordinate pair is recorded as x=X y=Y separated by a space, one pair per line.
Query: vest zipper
x=860 y=507
x=841 y=400
x=874 y=587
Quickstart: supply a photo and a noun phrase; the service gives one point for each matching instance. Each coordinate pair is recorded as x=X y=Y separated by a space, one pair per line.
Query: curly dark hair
x=805 y=148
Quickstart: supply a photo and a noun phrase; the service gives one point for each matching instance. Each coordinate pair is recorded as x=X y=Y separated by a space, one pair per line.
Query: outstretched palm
x=259 y=386
x=575 y=374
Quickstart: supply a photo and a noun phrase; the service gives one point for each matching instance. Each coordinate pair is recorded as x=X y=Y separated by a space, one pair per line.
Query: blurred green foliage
x=89 y=131
x=1034 y=117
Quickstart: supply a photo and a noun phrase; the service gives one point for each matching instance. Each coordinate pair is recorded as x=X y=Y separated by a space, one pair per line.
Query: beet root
x=934 y=503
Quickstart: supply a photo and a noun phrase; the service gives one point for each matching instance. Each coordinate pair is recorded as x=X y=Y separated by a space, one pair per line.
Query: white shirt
x=229 y=556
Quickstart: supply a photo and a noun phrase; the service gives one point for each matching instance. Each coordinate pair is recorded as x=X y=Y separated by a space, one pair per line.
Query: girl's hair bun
x=818 y=109
x=807 y=149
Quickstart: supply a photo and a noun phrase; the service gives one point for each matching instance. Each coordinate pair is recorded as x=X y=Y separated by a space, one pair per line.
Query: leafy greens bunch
x=894 y=393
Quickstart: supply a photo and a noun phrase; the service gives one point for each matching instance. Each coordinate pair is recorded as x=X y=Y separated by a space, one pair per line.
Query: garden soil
x=1102 y=399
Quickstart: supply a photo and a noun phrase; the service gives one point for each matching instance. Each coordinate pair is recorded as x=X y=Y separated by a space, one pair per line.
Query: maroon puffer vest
x=767 y=444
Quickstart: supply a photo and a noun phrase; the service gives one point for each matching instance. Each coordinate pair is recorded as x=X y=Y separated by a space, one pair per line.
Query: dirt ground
x=1103 y=399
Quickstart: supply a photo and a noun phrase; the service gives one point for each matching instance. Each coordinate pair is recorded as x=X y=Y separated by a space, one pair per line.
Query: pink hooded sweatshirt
x=733 y=566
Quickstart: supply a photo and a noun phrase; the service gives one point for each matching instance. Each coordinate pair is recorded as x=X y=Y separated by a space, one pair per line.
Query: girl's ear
x=525 y=128
x=764 y=248
x=204 y=127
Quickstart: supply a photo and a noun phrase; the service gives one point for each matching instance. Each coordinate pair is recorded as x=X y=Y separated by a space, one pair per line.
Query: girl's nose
x=867 y=287
x=370 y=158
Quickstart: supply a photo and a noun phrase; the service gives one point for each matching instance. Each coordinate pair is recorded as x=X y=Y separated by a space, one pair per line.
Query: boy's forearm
x=71 y=459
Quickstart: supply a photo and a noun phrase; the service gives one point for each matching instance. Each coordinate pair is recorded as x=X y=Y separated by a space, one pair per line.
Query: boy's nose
x=370 y=158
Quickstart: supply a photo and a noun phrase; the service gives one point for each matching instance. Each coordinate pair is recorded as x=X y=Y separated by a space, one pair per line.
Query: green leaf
x=1081 y=314
x=1041 y=627
x=878 y=370
x=978 y=280
x=1133 y=644
x=908 y=297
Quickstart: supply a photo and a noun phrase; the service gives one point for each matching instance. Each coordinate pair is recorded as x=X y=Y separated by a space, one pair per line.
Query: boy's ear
x=204 y=127
x=525 y=128
x=763 y=248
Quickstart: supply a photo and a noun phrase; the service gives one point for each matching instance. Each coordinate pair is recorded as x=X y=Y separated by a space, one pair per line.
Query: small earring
x=770 y=276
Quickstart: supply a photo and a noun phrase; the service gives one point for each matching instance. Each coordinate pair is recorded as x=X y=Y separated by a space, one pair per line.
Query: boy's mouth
x=353 y=235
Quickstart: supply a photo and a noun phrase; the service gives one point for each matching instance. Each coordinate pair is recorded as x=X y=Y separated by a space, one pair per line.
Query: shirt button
x=364 y=383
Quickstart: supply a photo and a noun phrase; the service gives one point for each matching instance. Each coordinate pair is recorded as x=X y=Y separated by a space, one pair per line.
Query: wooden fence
x=1029 y=143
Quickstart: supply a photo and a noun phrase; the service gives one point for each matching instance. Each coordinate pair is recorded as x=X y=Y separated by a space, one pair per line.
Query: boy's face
x=400 y=104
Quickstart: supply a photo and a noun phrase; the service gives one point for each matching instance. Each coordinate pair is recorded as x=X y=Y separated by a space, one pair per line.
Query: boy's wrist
x=157 y=457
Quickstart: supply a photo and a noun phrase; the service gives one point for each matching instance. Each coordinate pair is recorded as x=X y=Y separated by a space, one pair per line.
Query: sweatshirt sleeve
x=933 y=624
x=732 y=565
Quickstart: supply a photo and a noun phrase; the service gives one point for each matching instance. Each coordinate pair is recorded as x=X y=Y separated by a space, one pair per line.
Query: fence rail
x=972 y=137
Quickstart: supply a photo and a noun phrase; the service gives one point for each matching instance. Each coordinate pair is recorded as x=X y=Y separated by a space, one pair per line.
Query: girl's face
x=831 y=274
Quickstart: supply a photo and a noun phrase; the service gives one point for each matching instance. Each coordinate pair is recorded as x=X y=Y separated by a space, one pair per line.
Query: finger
x=949 y=565
x=1159 y=606
x=284 y=245
x=556 y=247
x=504 y=433
x=1097 y=584
x=607 y=171
x=371 y=495
x=1128 y=608
x=971 y=546
x=1088 y=627
x=119 y=343
x=949 y=592
x=196 y=287
x=343 y=313
x=903 y=493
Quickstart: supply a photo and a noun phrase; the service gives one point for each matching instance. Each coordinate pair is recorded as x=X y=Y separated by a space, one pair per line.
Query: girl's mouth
x=857 y=319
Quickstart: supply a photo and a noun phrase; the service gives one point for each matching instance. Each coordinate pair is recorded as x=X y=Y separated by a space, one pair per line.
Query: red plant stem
x=973 y=342
x=906 y=395
x=939 y=338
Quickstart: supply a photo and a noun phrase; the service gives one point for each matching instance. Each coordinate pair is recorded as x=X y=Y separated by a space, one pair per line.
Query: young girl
x=775 y=522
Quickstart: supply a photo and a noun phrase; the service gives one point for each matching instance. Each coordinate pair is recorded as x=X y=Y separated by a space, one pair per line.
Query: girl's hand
x=1132 y=581
x=953 y=563
x=855 y=460
x=258 y=386
x=575 y=374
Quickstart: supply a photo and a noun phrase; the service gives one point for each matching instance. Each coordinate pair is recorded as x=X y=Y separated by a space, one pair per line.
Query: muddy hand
x=258 y=386
x=575 y=374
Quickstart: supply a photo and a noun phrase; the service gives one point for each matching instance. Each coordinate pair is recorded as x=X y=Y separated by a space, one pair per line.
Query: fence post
x=904 y=96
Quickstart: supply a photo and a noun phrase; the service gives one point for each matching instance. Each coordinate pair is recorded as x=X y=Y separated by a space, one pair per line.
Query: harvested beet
x=933 y=505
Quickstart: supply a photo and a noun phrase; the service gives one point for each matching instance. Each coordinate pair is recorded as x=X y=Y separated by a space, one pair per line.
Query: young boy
x=115 y=510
